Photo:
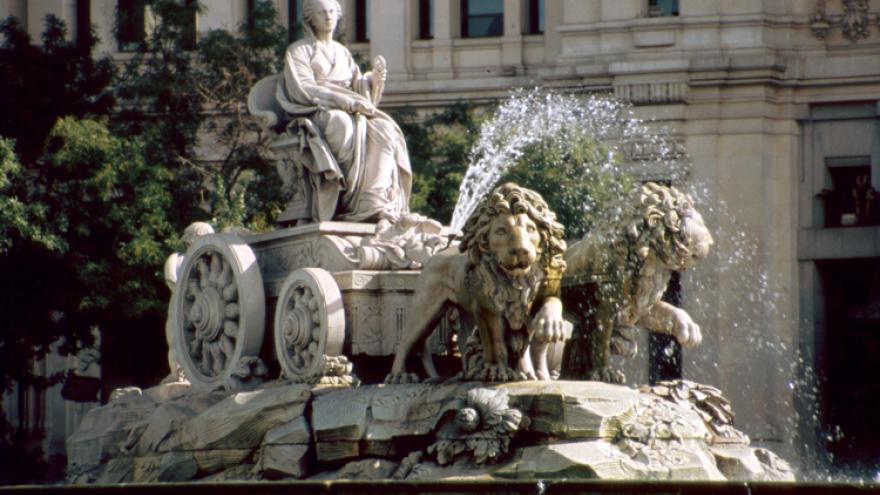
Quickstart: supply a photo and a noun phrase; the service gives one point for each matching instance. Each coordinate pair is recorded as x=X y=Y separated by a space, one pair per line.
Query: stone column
x=222 y=14
x=553 y=16
x=875 y=153
x=37 y=10
x=390 y=34
x=104 y=22
x=14 y=8
x=447 y=26
x=512 y=41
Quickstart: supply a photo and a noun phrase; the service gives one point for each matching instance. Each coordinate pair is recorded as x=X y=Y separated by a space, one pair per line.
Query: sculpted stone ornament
x=219 y=310
x=506 y=277
x=406 y=243
x=172 y=272
x=479 y=427
x=618 y=273
x=707 y=401
x=855 y=22
x=341 y=157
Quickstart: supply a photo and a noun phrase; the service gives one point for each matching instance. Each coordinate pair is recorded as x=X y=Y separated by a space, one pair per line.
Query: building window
x=130 y=24
x=361 y=21
x=294 y=20
x=426 y=19
x=83 y=22
x=851 y=201
x=662 y=8
x=534 y=17
x=482 y=18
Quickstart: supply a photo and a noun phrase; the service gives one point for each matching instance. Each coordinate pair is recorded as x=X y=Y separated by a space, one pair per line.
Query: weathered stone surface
x=294 y=432
x=603 y=460
x=240 y=472
x=568 y=429
x=118 y=470
x=373 y=417
x=159 y=426
x=213 y=461
x=283 y=461
x=241 y=420
x=168 y=391
x=570 y=409
x=367 y=470
x=168 y=467
x=104 y=430
x=741 y=462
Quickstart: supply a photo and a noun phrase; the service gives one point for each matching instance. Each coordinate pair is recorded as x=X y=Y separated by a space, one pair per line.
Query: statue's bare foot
x=525 y=374
x=607 y=375
x=401 y=378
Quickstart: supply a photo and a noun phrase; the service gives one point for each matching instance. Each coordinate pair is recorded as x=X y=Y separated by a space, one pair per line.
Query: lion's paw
x=494 y=373
x=607 y=375
x=685 y=330
x=401 y=378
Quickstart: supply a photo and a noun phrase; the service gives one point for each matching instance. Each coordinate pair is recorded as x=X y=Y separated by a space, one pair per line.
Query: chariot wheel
x=220 y=308
x=309 y=325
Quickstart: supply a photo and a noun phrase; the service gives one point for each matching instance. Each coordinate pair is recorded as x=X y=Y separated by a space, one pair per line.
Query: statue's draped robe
x=359 y=166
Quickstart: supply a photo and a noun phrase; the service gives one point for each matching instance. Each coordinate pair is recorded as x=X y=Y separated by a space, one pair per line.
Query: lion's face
x=696 y=238
x=514 y=242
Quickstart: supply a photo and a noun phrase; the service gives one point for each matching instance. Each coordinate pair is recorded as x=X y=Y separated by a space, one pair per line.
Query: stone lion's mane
x=653 y=225
x=513 y=297
x=658 y=225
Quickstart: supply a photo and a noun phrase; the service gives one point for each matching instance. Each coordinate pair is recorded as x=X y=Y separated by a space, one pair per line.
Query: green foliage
x=573 y=174
x=93 y=256
x=174 y=96
x=41 y=83
x=20 y=221
x=575 y=177
x=161 y=106
x=438 y=149
x=109 y=206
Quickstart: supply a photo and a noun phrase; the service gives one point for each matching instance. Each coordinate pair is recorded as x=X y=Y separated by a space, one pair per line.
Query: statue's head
x=320 y=15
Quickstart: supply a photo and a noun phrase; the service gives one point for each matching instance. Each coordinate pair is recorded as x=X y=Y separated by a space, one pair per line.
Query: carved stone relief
x=855 y=21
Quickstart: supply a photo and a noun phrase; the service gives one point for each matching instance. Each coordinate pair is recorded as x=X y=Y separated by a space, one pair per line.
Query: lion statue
x=618 y=273
x=505 y=275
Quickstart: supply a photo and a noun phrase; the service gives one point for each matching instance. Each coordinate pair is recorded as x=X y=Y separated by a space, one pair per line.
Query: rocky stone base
x=586 y=430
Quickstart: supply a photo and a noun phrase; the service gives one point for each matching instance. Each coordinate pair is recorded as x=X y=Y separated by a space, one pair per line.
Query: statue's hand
x=685 y=330
x=361 y=106
x=548 y=324
x=380 y=69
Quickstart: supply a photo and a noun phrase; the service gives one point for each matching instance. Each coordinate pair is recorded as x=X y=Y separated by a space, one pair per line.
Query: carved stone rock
x=425 y=432
x=283 y=461
x=241 y=420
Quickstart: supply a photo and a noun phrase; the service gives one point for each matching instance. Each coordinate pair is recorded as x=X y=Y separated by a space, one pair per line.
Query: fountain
x=487 y=292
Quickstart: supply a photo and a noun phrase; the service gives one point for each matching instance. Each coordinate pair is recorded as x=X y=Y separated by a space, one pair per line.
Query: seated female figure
x=355 y=154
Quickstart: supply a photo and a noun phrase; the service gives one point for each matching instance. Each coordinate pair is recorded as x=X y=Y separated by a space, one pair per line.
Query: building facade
x=778 y=106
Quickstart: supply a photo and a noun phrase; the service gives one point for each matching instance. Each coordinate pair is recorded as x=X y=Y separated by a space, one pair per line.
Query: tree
x=567 y=171
x=40 y=83
x=438 y=148
x=189 y=106
x=88 y=236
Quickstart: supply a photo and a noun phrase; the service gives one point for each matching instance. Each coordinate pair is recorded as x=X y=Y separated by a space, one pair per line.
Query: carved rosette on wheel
x=220 y=308
x=310 y=329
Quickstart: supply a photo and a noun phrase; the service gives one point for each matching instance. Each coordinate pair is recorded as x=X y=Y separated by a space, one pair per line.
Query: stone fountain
x=353 y=277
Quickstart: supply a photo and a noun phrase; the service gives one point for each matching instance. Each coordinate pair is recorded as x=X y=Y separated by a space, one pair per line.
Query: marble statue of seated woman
x=354 y=156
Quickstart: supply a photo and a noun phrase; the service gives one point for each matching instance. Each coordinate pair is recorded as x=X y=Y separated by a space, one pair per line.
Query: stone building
x=778 y=106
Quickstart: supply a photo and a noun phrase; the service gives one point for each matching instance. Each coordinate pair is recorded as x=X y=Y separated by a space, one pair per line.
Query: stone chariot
x=307 y=296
